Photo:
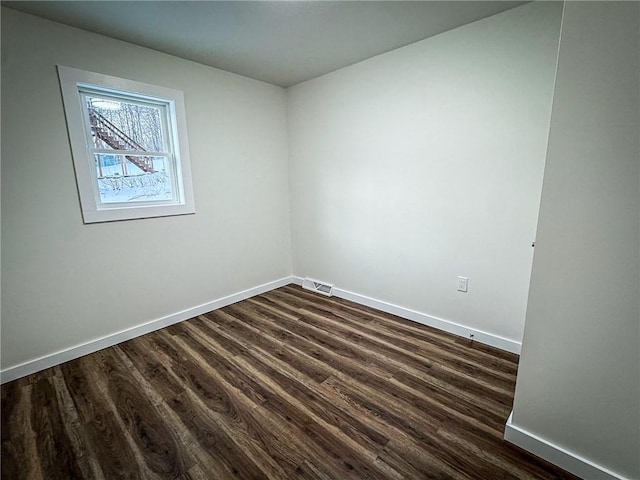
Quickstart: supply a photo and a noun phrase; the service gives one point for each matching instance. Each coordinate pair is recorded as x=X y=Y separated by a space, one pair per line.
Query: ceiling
x=279 y=42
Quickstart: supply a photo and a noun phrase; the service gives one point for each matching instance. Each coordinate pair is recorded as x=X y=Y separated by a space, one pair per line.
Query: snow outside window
x=129 y=146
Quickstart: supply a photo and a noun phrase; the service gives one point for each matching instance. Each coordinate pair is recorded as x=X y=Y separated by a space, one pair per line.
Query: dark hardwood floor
x=286 y=385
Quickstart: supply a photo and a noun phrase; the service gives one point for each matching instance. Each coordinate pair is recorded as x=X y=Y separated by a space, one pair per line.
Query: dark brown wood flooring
x=286 y=385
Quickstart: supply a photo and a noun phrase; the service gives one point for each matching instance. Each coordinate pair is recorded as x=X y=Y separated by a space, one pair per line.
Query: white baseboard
x=570 y=461
x=56 y=358
x=497 y=341
x=53 y=359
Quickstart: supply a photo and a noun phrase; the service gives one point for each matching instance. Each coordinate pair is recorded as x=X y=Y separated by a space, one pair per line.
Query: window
x=129 y=146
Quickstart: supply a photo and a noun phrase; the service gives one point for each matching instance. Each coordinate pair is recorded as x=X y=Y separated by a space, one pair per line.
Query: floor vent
x=316 y=286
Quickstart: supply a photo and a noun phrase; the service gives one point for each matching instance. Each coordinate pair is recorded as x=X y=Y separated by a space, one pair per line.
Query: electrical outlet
x=463 y=283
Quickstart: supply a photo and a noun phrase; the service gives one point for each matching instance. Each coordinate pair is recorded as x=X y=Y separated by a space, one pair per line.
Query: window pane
x=122 y=125
x=133 y=178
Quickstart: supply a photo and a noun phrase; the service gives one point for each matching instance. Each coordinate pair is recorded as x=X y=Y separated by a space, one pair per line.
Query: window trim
x=72 y=80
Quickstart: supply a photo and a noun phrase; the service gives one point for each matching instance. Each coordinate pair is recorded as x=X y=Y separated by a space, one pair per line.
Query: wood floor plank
x=14 y=451
x=349 y=370
x=114 y=455
x=80 y=378
x=481 y=366
x=267 y=427
x=191 y=434
x=416 y=462
x=241 y=420
x=285 y=385
x=405 y=330
x=16 y=410
x=55 y=451
x=155 y=439
x=289 y=409
x=320 y=405
x=238 y=318
x=130 y=430
x=84 y=454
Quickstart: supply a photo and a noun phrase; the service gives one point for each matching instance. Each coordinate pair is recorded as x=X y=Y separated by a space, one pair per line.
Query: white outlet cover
x=463 y=283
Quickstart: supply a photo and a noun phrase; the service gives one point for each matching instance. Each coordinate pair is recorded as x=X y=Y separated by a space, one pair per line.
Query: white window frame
x=73 y=83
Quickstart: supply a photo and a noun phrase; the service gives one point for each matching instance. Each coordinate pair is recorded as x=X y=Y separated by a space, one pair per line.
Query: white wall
x=579 y=376
x=416 y=166
x=65 y=283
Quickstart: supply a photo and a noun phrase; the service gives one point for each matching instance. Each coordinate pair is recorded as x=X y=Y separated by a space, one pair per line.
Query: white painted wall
x=65 y=283
x=579 y=376
x=426 y=163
